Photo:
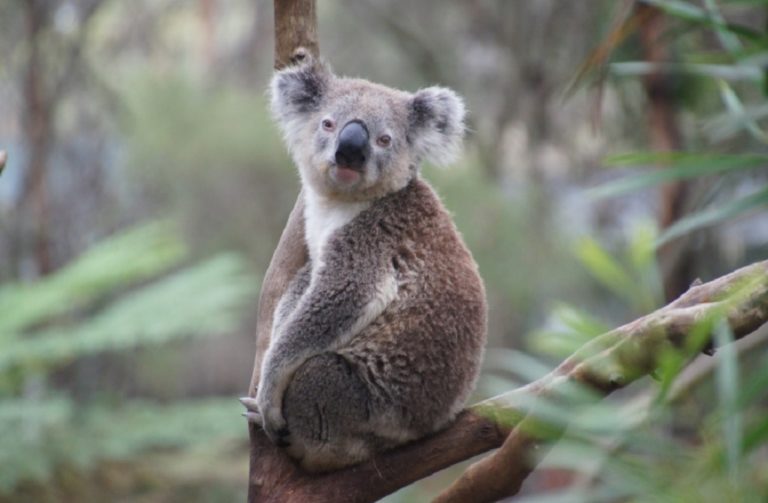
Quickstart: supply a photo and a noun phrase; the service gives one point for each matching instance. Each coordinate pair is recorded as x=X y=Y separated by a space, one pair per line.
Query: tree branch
x=607 y=363
x=612 y=361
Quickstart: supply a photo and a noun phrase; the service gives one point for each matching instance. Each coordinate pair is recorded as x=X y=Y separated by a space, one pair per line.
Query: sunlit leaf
x=605 y=268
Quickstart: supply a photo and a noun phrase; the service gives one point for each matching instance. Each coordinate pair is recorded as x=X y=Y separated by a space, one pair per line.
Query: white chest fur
x=322 y=216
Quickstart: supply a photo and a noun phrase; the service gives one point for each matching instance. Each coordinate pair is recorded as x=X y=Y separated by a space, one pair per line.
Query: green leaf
x=746 y=2
x=641 y=254
x=714 y=216
x=728 y=387
x=689 y=12
x=756 y=436
x=728 y=39
x=757 y=385
x=572 y=329
x=735 y=108
x=727 y=125
x=605 y=269
x=202 y=299
x=53 y=432
x=736 y=73
x=127 y=258
x=676 y=166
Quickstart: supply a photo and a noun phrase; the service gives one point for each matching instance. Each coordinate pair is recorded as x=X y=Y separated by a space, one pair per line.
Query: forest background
x=146 y=187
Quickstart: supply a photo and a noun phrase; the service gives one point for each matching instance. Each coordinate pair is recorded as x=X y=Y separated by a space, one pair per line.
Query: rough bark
x=295 y=36
x=267 y=463
x=606 y=364
x=295 y=28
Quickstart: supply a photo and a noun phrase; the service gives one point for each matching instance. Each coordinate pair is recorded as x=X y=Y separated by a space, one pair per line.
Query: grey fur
x=378 y=341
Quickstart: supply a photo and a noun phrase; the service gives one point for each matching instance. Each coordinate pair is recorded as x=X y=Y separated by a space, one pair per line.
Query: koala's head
x=356 y=140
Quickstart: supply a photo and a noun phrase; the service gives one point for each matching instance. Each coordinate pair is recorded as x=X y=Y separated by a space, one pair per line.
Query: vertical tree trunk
x=38 y=134
x=295 y=27
x=674 y=258
x=208 y=19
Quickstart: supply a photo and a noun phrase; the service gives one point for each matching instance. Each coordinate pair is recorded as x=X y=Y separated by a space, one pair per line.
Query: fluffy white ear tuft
x=436 y=125
x=296 y=92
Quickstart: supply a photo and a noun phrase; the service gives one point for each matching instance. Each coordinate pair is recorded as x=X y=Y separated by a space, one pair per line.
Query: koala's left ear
x=436 y=124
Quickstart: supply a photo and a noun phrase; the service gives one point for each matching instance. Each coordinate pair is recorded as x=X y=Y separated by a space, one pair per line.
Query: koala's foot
x=278 y=433
x=251 y=413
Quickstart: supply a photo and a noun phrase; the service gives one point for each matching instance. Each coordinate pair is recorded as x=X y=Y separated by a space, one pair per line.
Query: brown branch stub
x=295 y=30
x=3 y=160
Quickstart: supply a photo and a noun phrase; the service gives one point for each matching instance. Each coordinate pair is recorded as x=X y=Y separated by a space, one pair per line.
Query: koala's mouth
x=346 y=175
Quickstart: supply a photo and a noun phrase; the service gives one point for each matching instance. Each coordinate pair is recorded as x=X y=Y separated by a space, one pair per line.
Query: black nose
x=352 y=148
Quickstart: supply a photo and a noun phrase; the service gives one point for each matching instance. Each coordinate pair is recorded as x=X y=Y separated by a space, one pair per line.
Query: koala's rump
x=422 y=355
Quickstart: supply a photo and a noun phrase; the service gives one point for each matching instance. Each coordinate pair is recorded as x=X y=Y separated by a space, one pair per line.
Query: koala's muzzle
x=352 y=148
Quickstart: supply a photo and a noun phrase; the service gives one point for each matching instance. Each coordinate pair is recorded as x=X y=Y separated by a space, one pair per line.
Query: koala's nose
x=352 y=148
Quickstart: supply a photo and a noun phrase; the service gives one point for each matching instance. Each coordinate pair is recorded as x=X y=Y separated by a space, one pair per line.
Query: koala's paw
x=271 y=421
x=276 y=427
x=252 y=413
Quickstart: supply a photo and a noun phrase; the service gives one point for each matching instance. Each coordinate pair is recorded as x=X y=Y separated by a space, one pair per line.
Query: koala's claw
x=249 y=403
x=252 y=413
x=279 y=435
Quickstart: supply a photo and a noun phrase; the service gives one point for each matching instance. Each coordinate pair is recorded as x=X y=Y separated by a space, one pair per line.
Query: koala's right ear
x=436 y=124
x=297 y=91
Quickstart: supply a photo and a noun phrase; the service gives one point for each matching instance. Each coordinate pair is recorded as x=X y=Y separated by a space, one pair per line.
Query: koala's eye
x=328 y=124
x=384 y=140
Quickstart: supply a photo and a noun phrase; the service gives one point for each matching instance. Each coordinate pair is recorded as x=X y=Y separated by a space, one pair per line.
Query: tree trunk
x=38 y=136
x=295 y=34
x=675 y=258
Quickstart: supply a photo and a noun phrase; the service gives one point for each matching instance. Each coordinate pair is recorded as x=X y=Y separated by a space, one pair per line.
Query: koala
x=378 y=340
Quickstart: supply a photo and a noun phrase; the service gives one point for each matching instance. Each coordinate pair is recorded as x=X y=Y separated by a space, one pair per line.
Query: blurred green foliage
x=136 y=289
x=197 y=146
x=700 y=434
x=723 y=64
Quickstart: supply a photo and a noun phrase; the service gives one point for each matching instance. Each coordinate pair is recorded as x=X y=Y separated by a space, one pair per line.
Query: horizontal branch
x=609 y=362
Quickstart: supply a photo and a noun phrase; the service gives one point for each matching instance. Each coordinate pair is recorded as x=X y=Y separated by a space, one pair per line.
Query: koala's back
x=420 y=358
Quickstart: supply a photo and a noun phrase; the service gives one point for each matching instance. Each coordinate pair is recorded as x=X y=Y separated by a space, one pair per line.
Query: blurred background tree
x=146 y=188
